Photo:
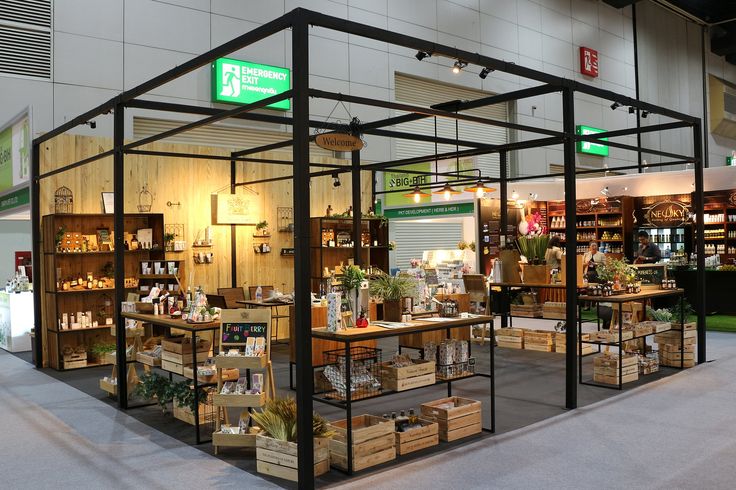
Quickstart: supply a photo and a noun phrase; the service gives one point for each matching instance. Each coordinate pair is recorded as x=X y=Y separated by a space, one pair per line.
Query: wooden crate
x=673 y=337
x=605 y=369
x=611 y=335
x=529 y=311
x=676 y=348
x=172 y=367
x=108 y=387
x=457 y=417
x=417 y=439
x=648 y=365
x=539 y=340
x=241 y=362
x=242 y=401
x=182 y=345
x=234 y=440
x=147 y=359
x=420 y=373
x=206 y=414
x=74 y=361
x=688 y=326
x=183 y=358
x=279 y=458
x=512 y=338
x=373 y=442
x=561 y=346
x=554 y=310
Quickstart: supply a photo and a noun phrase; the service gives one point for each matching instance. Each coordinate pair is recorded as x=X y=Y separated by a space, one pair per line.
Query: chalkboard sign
x=651 y=275
x=239 y=325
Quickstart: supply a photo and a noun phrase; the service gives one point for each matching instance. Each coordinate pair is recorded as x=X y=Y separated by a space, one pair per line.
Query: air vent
x=25 y=38
x=722 y=101
x=29 y=12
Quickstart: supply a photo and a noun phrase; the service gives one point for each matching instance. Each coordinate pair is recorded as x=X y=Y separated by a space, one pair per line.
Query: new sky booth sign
x=243 y=82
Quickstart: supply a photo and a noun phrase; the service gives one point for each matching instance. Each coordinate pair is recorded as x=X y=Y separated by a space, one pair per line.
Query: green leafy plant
x=261 y=225
x=659 y=315
x=182 y=394
x=152 y=386
x=391 y=288
x=687 y=313
x=614 y=268
x=169 y=237
x=278 y=420
x=352 y=276
x=102 y=348
x=59 y=235
x=533 y=247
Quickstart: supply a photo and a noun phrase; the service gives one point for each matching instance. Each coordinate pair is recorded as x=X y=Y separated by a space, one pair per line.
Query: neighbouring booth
x=175 y=272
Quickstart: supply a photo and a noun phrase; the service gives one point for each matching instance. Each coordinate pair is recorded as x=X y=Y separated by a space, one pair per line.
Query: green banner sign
x=430 y=211
x=15 y=199
x=405 y=183
x=6 y=159
x=243 y=82
x=588 y=146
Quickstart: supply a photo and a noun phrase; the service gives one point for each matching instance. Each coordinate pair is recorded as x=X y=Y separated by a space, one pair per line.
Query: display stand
x=237 y=327
x=132 y=375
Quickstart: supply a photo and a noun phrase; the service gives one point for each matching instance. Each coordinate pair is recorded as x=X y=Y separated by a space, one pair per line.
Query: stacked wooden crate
x=419 y=373
x=539 y=340
x=457 y=417
x=606 y=369
x=530 y=311
x=279 y=458
x=177 y=352
x=673 y=348
x=419 y=438
x=374 y=442
x=554 y=310
x=561 y=345
x=512 y=338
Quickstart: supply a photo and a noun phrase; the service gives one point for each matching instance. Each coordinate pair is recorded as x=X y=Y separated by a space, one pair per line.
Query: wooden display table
x=417 y=340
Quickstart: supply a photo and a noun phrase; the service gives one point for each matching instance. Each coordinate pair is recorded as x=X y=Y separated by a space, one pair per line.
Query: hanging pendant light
x=417 y=194
x=480 y=189
x=447 y=191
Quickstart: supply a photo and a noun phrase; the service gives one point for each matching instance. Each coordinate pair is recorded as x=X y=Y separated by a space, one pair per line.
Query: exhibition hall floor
x=670 y=432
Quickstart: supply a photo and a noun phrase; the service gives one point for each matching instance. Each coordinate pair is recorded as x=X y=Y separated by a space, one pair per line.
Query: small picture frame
x=108 y=202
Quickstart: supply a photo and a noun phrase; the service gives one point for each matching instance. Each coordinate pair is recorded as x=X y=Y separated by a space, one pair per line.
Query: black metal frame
x=299 y=21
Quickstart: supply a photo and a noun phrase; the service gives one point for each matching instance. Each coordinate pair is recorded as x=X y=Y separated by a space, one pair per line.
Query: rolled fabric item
x=334 y=319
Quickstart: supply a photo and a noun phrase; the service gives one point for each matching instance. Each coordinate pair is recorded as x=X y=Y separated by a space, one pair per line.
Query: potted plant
x=169 y=241
x=152 y=386
x=532 y=244
x=276 y=445
x=98 y=351
x=182 y=395
x=683 y=317
x=262 y=228
x=352 y=278
x=391 y=289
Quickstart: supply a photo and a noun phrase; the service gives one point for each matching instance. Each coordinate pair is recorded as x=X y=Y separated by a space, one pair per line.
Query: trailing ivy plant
x=183 y=395
x=152 y=386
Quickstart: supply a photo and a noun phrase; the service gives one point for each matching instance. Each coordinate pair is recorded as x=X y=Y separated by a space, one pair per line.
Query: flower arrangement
x=533 y=238
x=613 y=270
x=415 y=263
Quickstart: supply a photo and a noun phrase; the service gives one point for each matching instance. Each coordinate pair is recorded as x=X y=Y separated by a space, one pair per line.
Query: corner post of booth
x=233 y=232
x=36 y=251
x=302 y=287
x=118 y=180
x=503 y=206
x=700 y=296
x=568 y=126
x=357 y=214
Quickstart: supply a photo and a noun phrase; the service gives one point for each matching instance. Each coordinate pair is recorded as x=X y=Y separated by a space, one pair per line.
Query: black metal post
x=38 y=329
x=568 y=124
x=233 y=232
x=699 y=204
x=118 y=180
x=302 y=288
x=704 y=121
x=502 y=236
x=636 y=84
x=195 y=387
x=357 y=215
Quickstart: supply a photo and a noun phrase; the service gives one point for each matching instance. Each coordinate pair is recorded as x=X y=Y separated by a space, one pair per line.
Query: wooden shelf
x=106 y=252
x=201 y=246
x=158 y=276
x=99 y=327
x=93 y=290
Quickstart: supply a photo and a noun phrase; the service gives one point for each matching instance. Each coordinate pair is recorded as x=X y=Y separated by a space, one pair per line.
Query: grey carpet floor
x=55 y=436
x=673 y=433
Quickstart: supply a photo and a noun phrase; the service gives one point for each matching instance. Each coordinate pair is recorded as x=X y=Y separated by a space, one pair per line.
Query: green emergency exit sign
x=590 y=147
x=243 y=82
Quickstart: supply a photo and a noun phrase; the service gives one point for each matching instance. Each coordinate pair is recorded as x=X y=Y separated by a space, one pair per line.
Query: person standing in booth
x=591 y=260
x=649 y=253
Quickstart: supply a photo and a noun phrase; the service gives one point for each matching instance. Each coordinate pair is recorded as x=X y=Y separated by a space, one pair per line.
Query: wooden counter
x=417 y=340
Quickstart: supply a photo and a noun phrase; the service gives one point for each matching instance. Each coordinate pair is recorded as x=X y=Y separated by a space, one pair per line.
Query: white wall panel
x=143 y=63
x=72 y=55
x=504 y=9
x=556 y=25
x=103 y=21
x=585 y=11
x=458 y=21
x=167 y=26
x=377 y=6
x=265 y=11
x=499 y=33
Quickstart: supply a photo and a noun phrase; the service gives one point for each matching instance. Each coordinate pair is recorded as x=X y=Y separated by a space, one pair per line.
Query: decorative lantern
x=63 y=201
x=145 y=200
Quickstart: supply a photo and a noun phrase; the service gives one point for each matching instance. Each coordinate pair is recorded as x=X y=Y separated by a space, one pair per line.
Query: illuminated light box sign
x=589 y=147
x=243 y=82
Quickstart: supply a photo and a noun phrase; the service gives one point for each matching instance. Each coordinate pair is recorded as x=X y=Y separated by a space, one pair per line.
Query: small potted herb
x=391 y=289
x=262 y=228
x=169 y=241
x=98 y=351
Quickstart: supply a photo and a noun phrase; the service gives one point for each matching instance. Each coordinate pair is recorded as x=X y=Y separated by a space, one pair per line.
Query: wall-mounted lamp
x=458 y=66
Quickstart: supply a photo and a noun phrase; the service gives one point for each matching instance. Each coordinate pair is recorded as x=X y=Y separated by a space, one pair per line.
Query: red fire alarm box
x=588 y=61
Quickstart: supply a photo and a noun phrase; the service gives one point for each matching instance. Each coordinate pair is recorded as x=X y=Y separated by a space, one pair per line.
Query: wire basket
x=365 y=373
x=456 y=370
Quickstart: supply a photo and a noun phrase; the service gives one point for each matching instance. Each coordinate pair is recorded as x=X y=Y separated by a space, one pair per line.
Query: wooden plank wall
x=191 y=182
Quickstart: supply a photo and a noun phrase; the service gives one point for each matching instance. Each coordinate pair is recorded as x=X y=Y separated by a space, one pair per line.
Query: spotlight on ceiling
x=514 y=195
x=605 y=191
x=615 y=106
x=421 y=55
x=644 y=114
x=632 y=109
x=458 y=66
x=336 y=180
x=533 y=196
x=484 y=72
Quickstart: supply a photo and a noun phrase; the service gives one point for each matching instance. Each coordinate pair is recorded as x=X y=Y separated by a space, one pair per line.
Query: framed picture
x=108 y=202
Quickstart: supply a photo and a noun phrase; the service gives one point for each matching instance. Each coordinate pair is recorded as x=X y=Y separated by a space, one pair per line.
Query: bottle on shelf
x=259 y=294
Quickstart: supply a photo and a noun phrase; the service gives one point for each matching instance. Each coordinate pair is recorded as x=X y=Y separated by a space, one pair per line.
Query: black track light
x=458 y=66
x=644 y=114
x=615 y=106
x=336 y=180
x=632 y=109
x=421 y=55
x=484 y=72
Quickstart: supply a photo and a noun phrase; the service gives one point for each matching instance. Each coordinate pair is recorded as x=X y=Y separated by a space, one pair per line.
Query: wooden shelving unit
x=324 y=229
x=59 y=266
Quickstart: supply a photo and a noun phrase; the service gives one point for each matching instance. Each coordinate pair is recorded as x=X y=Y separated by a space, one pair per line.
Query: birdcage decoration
x=145 y=200
x=63 y=201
